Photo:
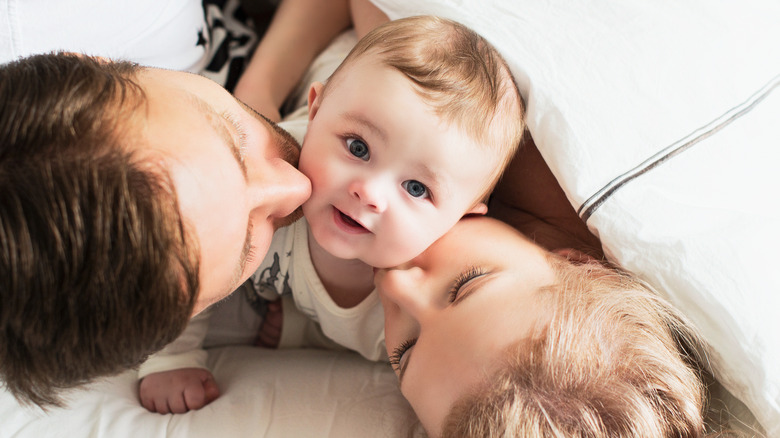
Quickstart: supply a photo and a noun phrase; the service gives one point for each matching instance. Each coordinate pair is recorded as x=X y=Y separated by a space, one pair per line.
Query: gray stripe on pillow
x=590 y=206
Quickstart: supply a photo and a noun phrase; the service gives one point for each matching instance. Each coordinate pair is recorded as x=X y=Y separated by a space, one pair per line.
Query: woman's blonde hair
x=615 y=360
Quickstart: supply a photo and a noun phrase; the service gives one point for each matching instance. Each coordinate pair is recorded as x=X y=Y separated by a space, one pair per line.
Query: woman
x=493 y=335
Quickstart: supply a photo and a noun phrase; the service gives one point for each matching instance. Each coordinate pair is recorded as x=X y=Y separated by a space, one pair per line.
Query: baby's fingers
x=196 y=396
x=211 y=389
x=176 y=404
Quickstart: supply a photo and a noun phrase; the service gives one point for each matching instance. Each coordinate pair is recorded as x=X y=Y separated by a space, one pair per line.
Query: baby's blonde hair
x=459 y=74
x=615 y=360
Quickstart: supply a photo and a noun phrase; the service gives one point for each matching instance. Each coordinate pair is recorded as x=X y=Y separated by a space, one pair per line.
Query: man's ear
x=479 y=209
x=315 y=98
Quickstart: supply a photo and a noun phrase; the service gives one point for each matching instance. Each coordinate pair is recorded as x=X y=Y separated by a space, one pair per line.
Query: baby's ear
x=315 y=98
x=479 y=209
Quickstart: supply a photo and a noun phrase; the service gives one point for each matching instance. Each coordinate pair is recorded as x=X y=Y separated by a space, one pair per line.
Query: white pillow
x=660 y=121
x=150 y=32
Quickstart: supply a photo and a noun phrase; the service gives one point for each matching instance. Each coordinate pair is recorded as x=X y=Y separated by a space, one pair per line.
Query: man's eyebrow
x=225 y=127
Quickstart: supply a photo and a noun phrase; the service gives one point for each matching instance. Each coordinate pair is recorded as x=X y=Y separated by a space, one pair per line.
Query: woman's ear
x=315 y=98
x=479 y=209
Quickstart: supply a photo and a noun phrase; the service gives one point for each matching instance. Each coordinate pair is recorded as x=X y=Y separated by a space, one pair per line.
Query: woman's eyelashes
x=397 y=358
x=462 y=279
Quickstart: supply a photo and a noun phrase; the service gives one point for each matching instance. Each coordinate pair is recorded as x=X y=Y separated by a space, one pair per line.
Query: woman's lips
x=347 y=224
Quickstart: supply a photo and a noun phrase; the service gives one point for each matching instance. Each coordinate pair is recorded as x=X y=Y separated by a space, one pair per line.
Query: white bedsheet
x=265 y=393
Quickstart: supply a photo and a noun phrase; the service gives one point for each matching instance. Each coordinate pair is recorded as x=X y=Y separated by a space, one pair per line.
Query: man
x=130 y=198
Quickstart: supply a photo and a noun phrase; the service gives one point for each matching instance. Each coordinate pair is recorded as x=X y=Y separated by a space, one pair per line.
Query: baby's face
x=388 y=175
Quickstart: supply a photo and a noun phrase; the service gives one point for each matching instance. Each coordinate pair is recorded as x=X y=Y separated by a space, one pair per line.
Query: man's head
x=409 y=134
x=110 y=183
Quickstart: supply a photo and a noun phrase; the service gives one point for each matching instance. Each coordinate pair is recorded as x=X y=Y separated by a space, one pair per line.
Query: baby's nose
x=370 y=193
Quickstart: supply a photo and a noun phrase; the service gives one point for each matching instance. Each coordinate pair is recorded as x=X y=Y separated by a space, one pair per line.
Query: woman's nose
x=370 y=193
x=280 y=189
x=406 y=287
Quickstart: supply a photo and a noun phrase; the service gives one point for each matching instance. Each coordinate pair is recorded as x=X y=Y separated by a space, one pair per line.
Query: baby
x=408 y=135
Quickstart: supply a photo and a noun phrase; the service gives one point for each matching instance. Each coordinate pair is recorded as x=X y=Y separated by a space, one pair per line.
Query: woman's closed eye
x=463 y=279
x=398 y=358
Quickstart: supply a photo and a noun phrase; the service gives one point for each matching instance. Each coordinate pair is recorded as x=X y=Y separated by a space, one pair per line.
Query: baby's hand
x=178 y=391
x=271 y=329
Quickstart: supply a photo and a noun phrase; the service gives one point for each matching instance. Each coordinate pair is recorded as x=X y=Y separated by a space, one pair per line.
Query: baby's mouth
x=349 y=220
x=350 y=223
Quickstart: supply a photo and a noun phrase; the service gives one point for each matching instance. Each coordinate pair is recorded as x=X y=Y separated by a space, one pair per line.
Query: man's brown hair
x=95 y=271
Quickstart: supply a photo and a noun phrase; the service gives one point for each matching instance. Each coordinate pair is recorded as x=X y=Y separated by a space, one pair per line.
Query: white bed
x=287 y=393
x=660 y=121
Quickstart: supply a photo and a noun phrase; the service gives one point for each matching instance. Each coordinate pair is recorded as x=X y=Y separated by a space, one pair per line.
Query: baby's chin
x=371 y=257
x=376 y=255
x=387 y=261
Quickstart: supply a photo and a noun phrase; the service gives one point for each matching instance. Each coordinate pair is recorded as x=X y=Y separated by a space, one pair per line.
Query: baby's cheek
x=403 y=247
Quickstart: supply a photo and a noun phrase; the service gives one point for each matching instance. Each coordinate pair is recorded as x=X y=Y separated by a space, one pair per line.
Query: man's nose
x=281 y=189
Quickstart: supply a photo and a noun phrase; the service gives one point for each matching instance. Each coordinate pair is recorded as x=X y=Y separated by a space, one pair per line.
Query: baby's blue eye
x=358 y=148
x=415 y=188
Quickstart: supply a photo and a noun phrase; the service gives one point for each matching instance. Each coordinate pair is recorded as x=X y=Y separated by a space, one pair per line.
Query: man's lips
x=347 y=224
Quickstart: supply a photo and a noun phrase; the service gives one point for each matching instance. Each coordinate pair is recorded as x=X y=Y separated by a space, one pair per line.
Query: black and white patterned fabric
x=231 y=37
